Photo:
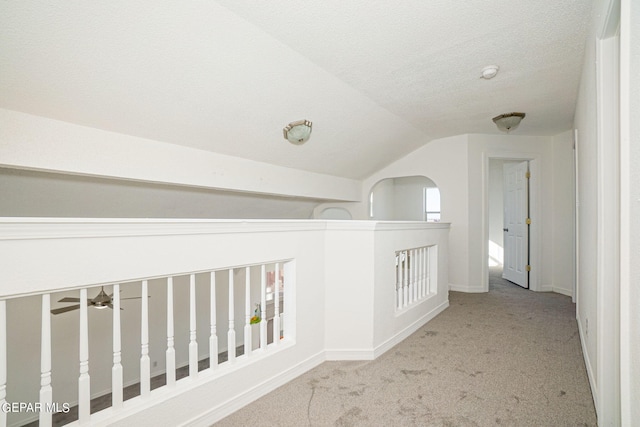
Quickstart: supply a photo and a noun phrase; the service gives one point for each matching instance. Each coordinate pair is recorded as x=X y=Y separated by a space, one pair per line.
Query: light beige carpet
x=510 y=357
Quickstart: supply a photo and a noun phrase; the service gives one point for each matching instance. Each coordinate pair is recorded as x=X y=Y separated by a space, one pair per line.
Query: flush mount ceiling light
x=509 y=121
x=297 y=132
x=489 y=72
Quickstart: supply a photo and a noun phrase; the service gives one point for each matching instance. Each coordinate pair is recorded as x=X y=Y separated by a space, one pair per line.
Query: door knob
x=505 y=229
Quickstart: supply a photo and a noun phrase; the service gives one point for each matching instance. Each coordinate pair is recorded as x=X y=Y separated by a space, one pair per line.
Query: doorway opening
x=510 y=234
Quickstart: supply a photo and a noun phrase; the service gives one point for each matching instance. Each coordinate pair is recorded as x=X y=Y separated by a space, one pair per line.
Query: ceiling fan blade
x=65 y=309
x=69 y=299
x=132 y=298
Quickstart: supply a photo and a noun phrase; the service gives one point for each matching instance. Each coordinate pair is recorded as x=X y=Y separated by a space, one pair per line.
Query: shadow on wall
x=410 y=198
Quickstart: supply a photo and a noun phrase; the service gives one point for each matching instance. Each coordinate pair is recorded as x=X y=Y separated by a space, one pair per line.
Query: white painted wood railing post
x=170 y=354
x=276 y=312
x=3 y=361
x=247 y=308
x=263 y=307
x=193 y=344
x=213 y=337
x=231 y=334
x=432 y=271
x=411 y=261
x=46 y=392
x=116 y=370
x=84 y=381
x=145 y=362
x=425 y=269
x=399 y=279
x=418 y=277
x=405 y=277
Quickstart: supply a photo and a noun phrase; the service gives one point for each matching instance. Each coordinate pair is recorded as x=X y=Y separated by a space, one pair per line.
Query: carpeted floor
x=510 y=357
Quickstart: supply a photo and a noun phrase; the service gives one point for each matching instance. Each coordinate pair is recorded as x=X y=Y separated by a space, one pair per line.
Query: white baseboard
x=371 y=354
x=403 y=334
x=350 y=354
x=563 y=291
x=257 y=391
x=587 y=362
x=466 y=288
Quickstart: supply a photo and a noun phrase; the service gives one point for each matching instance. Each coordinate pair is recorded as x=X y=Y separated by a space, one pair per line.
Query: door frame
x=534 y=160
x=608 y=92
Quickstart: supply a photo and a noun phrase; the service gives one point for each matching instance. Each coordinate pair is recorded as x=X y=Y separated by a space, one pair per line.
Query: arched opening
x=335 y=213
x=409 y=198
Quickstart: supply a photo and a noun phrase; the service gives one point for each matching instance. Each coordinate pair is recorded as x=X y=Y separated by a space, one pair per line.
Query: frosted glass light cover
x=298 y=132
x=508 y=122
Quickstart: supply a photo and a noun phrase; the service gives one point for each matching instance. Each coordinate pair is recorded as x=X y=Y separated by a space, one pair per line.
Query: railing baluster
x=431 y=265
x=3 y=362
x=276 y=302
x=247 y=308
x=412 y=268
x=213 y=337
x=405 y=278
x=46 y=393
x=84 y=381
x=420 y=272
x=193 y=344
x=170 y=354
x=263 y=307
x=116 y=370
x=231 y=334
x=399 y=279
x=145 y=362
x=416 y=275
x=425 y=267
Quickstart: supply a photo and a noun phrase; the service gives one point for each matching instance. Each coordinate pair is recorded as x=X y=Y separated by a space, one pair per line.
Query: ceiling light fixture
x=509 y=121
x=489 y=72
x=297 y=132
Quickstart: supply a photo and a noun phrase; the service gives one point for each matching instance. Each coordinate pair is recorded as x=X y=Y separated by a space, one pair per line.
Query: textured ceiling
x=377 y=78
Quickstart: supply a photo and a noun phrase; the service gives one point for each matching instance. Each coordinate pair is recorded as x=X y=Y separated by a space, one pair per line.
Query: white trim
x=627 y=405
x=562 y=291
x=257 y=391
x=535 y=238
x=349 y=354
x=587 y=362
x=68 y=228
x=608 y=215
x=466 y=288
x=403 y=334
x=374 y=353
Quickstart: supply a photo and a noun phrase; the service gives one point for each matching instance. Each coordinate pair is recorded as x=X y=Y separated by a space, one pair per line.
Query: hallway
x=509 y=357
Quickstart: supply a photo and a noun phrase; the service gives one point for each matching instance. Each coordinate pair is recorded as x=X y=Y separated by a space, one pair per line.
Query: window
x=432 y=204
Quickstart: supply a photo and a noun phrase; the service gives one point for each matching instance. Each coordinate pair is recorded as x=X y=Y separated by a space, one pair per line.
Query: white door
x=516 y=229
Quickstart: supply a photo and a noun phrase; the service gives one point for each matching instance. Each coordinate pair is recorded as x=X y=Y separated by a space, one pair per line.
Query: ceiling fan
x=100 y=301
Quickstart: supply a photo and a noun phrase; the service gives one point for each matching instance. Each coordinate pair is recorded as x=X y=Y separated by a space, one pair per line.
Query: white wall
x=444 y=161
x=409 y=198
x=31 y=142
x=587 y=210
x=457 y=166
x=28 y=193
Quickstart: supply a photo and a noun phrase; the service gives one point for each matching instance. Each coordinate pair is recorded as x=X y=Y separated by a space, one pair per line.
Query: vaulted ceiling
x=378 y=79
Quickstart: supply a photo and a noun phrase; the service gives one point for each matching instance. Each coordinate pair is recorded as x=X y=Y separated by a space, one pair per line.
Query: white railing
x=416 y=269
x=243 y=290
x=200 y=287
